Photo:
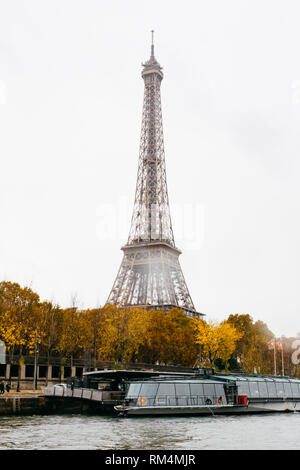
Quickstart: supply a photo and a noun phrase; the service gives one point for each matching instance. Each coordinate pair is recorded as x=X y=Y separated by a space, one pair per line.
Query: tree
x=52 y=327
x=183 y=349
x=72 y=337
x=218 y=341
x=123 y=331
x=20 y=324
x=93 y=321
x=252 y=348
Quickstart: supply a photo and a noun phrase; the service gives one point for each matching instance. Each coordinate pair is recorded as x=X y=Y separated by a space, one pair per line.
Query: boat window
x=148 y=390
x=219 y=390
x=254 y=392
x=182 y=389
x=243 y=388
x=197 y=390
x=287 y=389
x=262 y=387
x=295 y=390
x=166 y=390
x=279 y=388
x=272 y=390
x=133 y=390
x=209 y=390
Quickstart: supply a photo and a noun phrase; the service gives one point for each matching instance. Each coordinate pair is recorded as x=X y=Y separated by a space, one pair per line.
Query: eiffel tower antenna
x=150 y=275
x=152 y=43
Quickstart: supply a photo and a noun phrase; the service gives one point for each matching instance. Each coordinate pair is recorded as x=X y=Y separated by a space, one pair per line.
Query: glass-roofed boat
x=208 y=393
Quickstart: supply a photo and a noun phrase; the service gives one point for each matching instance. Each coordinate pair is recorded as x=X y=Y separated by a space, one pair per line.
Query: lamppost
x=36 y=351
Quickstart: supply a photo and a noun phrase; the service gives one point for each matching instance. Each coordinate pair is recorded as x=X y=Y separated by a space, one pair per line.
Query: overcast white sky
x=70 y=115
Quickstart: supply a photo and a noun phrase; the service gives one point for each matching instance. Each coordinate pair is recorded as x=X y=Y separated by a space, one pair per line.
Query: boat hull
x=267 y=407
x=263 y=407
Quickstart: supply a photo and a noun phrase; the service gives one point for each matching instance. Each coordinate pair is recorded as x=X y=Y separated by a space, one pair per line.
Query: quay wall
x=25 y=405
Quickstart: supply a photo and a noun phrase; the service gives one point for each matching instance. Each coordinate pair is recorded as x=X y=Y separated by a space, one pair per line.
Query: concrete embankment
x=36 y=403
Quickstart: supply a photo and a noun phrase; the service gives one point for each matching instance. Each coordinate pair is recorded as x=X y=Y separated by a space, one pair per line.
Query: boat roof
x=215 y=379
x=177 y=380
x=135 y=375
x=130 y=374
x=255 y=378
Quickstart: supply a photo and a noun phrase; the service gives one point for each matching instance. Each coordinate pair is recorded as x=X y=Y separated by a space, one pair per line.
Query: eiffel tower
x=150 y=275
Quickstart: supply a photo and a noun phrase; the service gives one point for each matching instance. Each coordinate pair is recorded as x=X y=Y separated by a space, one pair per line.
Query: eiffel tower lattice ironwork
x=150 y=275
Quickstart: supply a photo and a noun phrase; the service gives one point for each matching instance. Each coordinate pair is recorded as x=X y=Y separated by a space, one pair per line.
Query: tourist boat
x=99 y=391
x=206 y=393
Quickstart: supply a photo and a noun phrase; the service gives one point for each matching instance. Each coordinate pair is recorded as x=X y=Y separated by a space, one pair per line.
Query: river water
x=268 y=431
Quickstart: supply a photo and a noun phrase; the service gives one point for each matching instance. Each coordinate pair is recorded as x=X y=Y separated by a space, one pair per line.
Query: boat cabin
x=180 y=392
x=210 y=390
x=264 y=386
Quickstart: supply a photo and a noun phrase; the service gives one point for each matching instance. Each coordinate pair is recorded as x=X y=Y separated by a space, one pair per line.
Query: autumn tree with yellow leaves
x=170 y=338
x=123 y=331
x=20 y=321
x=218 y=340
x=130 y=335
x=252 y=351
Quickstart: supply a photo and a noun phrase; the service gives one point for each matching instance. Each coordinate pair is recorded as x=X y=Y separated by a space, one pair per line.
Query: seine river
x=270 y=431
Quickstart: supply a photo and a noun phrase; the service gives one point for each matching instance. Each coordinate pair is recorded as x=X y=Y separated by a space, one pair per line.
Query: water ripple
x=276 y=431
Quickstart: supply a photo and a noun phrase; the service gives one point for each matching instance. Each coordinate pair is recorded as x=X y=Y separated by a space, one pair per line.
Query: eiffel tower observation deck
x=150 y=275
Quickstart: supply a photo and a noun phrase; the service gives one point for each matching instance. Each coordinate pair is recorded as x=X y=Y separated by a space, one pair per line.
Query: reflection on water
x=274 y=431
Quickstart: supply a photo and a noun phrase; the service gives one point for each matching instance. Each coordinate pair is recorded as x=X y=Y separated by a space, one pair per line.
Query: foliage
x=19 y=314
x=129 y=335
x=252 y=351
x=218 y=341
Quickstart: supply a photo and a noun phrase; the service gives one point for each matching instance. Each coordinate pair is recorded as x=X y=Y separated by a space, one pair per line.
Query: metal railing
x=179 y=400
x=273 y=399
x=92 y=363
x=84 y=393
